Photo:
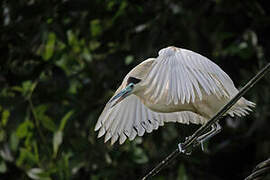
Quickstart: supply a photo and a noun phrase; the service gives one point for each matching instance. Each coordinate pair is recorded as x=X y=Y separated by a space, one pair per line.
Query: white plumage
x=177 y=86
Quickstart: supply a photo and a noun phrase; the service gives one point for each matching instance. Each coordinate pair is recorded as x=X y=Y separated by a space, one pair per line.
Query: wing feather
x=188 y=81
x=173 y=83
x=178 y=85
x=170 y=82
x=180 y=76
x=157 y=95
x=136 y=119
x=153 y=79
x=165 y=89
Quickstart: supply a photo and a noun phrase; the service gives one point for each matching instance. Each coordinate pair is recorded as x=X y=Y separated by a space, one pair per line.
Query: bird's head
x=133 y=81
x=132 y=86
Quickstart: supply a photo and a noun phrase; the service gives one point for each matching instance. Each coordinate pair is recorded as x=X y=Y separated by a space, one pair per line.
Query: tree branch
x=191 y=142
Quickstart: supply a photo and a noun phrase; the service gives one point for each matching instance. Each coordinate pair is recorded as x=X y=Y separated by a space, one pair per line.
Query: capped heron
x=177 y=86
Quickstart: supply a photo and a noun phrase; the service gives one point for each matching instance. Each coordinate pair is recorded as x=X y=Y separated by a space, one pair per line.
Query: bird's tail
x=241 y=108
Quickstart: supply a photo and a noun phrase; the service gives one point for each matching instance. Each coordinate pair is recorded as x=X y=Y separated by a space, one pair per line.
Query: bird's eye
x=131 y=85
x=133 y=80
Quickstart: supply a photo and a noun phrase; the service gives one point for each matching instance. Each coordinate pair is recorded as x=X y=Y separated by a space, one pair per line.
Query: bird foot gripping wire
x=215 y=129
x=182 y=150
x=189 y=151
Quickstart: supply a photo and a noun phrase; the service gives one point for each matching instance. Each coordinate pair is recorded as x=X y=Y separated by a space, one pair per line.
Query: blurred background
x=61 y=61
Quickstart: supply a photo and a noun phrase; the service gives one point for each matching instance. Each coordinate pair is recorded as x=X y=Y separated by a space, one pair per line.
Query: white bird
x=177 y=86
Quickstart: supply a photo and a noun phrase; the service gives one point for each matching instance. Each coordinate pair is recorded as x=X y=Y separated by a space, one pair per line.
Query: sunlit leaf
x=49 y=20
x=23 y=129
x=45 y=120
x=49 y=48
x=57 y=141
x=14 y=141
x=86 y=55
x=95 y=28
x=73 y=41
x=38 y=174
x=27 y=88
x=17 y=88
x=3 y=167
x=34 y=173
x=26 y=85
x=48 y=123
x=94 y=45
x=129 y=59
x=121 y=9
x=5 y=116
x=26 y=157
x=74 y=86
x=64 y=120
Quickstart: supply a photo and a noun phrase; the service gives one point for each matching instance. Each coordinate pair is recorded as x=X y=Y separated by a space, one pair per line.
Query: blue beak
x=120 y=96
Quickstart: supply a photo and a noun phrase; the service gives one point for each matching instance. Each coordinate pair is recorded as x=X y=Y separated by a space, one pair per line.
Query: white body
x=177 y=86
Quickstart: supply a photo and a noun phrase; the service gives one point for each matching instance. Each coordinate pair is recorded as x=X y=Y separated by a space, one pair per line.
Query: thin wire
x=260 y=171
x=191 y=142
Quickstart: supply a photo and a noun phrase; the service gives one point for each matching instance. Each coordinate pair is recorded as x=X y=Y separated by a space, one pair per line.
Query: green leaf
x=140 y=156
x=2 y=135
x=74 y=86
x=49 y=20
x=71 y=37
x=13 y=141
x=5 y=116
x=129 y=59
x=35 y=147
x=41 y=109
x=65 y=164
x=64 y=120
x=3 y=167
x=121 y=10
x=23 y=129
x=87 y=55
x=73 y=41
x=17 y=88
x=93 y=45
x=49 y=48
x=34 y=173
x=38 y=174
x=46 y=121
x=57 y=141
x=26 y=85
x=28 y=88
x=95 y=27
x=26 y=157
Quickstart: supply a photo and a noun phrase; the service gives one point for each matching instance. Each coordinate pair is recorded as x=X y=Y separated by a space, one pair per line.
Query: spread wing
x=131 y=117
x=180 y=76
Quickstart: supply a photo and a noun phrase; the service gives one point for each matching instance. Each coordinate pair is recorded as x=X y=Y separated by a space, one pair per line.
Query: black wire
x=260 y=171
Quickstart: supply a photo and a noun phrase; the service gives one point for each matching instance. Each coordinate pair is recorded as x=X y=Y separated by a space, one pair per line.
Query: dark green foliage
x=62 y=60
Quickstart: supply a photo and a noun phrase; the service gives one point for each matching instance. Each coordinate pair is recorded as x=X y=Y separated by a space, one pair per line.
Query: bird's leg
x=215 y=129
